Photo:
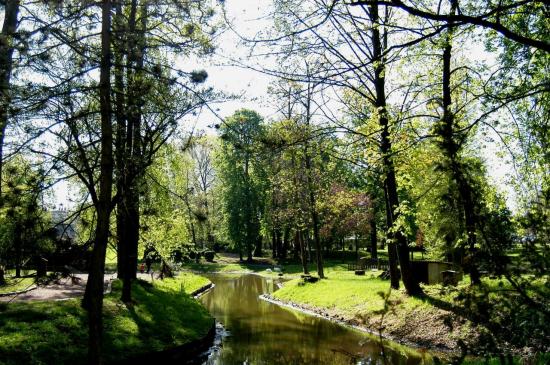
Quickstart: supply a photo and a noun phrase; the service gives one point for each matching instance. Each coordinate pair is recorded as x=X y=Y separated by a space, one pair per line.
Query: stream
x=260 y=333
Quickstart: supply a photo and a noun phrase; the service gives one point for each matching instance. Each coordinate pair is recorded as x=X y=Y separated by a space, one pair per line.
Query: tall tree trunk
x=279 y=241
x=134 y=153
x=303 y=253
x=286 y=239
x=398 y=239
x=314 y=216
x=356 y=247
x=120 y=136
x=258 y=250
x=373 y=239
x=274 y=243
x=93 y=299
x=248 y=213
x=307 y=240
x=17 y=245
x=451 y=147
x=9 y=27
x=296 y=247
x=311 y=190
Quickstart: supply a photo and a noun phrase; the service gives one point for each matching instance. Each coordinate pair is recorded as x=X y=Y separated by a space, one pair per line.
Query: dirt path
x=62 y=289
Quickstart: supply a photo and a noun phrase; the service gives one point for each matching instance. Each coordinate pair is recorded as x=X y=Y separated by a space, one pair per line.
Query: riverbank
x=164 y=316
x=367 y=303
x=358 y=301
x=437 y=320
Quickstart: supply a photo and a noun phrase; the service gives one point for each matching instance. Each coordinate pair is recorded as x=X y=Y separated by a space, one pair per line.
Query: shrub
x=209 y=256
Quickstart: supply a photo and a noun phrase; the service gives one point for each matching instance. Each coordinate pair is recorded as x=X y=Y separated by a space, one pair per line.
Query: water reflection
x=264 y=333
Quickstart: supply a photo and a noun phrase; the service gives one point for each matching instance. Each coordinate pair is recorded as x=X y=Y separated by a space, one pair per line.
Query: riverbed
x=259 y=332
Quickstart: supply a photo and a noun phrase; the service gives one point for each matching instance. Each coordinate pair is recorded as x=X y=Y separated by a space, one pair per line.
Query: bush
x=209 y=256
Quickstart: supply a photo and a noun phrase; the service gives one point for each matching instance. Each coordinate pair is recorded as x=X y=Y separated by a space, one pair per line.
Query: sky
x=246 y=18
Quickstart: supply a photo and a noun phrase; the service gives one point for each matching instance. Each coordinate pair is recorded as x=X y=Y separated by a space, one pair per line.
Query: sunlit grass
x=164 y=315
x=185 y=282
x=16 y=284
x=346 y=292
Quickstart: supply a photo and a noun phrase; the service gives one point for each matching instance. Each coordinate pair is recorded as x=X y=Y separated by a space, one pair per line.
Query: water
x=263 y=333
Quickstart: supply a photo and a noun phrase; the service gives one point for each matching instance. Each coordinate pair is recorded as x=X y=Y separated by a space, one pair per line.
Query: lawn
x=16 y=284
x=347 y=293
x=439 y=319
x=164 y=315
x=368 y=302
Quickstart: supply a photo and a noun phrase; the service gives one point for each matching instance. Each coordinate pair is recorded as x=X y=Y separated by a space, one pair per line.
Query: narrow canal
x=264 y=333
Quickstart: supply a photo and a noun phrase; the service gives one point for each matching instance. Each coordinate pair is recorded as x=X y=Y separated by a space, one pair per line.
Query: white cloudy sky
x=246 y=17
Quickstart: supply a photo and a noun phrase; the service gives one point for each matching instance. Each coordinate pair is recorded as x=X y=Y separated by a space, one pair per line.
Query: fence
x=369 y=265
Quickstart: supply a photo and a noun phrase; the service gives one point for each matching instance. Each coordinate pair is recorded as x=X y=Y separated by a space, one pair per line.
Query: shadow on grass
x=57 y=332
x=43 y=333
x=158 y=319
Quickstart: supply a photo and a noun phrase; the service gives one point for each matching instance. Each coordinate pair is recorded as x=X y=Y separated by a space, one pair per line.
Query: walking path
x=61 y=289
x=64 y=288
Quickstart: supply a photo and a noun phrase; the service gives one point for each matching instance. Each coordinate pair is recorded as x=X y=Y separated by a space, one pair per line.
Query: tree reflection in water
x=264 y=333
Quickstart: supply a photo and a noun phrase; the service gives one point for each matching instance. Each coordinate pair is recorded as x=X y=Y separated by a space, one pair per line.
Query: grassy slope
x=435 y=320
x=56 y=332
x=16 y=284
x=359 y=300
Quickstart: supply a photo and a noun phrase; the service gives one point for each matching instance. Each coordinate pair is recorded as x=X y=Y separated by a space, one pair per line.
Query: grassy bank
x=367 y=301
x=16 y=284
x=436 y=320
x=164 y=315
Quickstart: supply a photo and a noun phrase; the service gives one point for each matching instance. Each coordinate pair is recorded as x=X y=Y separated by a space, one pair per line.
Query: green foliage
x=25 y=230
x=240 y=172
x=165 y=217
x=209 y=256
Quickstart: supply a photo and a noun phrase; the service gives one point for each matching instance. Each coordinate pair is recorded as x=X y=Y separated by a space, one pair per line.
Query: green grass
x=345 y=292
x=16 y=284
x=163 y=316
x=24 y=272
x=185 y=281
x=353 y=294
x=110 y=259
x=438 y=318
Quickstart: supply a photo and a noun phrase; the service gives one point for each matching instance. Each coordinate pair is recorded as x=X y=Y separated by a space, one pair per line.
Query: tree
x=25 y=227
x=450 y=143
x=494 y=16
x=7 y=47
x=93 y=299
x=147 y=111
x=238 y=168
x=298 y=104
x=357 y=61
x=201 y=152
x=346 y=212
